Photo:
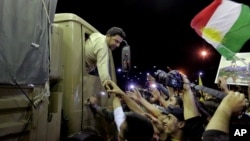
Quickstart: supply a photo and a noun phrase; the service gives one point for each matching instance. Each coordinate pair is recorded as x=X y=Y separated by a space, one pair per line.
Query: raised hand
x=155 y=92
x=134 y=94
x=234 y=102
x=186 y=82
x=222 y=83
x=112 y=88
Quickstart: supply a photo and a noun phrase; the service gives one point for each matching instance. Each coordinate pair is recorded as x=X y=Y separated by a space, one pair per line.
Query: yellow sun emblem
x=212 y=34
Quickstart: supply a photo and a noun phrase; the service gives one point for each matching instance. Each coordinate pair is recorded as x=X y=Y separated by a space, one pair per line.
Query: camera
x=172 y=79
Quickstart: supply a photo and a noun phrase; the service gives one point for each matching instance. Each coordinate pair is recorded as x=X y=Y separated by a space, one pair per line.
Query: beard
x=112 y=47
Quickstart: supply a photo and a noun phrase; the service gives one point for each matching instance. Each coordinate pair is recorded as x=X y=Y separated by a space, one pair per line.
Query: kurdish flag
x=225 y=25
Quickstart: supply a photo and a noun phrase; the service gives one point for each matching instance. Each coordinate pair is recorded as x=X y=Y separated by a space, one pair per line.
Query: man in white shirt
x=98 y=48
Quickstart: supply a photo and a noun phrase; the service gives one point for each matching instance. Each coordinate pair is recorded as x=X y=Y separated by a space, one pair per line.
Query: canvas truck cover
x=25 y=29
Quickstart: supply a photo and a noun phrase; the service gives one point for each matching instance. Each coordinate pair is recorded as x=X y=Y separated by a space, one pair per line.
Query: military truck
x=43 y=82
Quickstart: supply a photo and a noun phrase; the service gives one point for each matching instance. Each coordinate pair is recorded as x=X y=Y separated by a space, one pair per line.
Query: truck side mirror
x=126 y=58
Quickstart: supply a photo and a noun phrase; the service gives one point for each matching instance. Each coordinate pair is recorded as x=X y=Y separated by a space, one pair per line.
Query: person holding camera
x=190 y=127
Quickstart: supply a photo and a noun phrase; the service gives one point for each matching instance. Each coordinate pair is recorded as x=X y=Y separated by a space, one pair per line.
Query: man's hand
x=134 y=94
x=186 y=83
x=155 y=93
x=233 y=103
x=92 y=100
x=112 y=88
x=222 y=83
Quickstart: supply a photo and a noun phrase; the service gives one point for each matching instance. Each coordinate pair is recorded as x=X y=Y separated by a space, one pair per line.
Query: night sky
x=158 y=32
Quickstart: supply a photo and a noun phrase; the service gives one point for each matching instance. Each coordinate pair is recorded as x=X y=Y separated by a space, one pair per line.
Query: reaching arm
x=151 y=108
x=156 y=92
x=171 y=91
x=163 y=89
x=234 y=102
x=190 y=108
x=103 y=65
x=118 y=112
x=136 y=95
x=130 y=102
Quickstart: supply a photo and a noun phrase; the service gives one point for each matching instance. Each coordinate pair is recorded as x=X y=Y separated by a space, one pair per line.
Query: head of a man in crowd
x=173 y=120
x=114 y=37
x=136 y=128
x=175 y=101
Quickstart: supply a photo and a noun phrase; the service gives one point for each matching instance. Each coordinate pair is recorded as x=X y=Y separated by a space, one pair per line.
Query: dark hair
x=208 y=136
x=179 y=101
x=87 y=134
x=116 y=31
x=175 y=111
x=139 y=128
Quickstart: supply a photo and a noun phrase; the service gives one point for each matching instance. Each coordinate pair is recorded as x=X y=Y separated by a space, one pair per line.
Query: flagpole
x=235 y=57
x=201 y=84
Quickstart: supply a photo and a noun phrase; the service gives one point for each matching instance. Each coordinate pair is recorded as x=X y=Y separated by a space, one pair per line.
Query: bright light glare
x=153 y=85
x=132 y=86
x=102 y=93
x=203 y=53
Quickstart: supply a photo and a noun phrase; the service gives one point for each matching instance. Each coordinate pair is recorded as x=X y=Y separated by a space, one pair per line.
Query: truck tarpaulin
x=25 y=30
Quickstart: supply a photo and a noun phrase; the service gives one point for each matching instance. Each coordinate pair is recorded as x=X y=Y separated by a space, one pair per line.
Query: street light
x=204 y=53
x=200 y=73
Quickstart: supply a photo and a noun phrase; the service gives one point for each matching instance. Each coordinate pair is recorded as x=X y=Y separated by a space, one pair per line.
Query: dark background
x=158 y=32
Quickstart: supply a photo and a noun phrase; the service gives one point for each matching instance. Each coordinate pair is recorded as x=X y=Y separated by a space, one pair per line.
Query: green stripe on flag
x=225 y=52
x=237 y=36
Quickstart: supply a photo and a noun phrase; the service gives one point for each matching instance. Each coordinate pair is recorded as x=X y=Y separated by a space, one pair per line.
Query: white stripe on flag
x=223 y=19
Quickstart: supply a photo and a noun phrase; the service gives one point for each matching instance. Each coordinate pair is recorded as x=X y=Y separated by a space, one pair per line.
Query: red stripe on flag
x=201 y=19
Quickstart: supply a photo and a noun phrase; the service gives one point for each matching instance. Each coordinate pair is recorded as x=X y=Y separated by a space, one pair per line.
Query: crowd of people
x=165 y=113
x=171 y=111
